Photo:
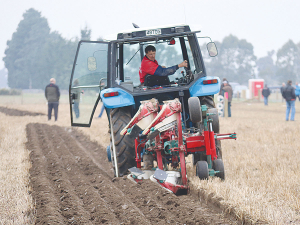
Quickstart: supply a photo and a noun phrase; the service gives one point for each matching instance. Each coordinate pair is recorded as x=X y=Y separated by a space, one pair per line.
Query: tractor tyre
x=209 y=102
x=218 y=165
x=195 y=109
x=202 y=170
x=218 y=149
x=215 y=119
x=124 y=144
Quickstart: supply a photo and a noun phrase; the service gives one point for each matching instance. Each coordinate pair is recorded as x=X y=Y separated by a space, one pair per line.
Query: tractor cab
x=109 y=70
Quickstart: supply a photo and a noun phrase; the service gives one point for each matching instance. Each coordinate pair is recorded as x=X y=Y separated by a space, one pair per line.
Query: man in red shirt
x=150 y=66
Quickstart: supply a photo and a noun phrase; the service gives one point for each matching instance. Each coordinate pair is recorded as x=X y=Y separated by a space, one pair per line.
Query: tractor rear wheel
x=124 y=145
x=209 y=102
x=202 y=170
x=215 y=119
x=218 y=165
x=218 y=149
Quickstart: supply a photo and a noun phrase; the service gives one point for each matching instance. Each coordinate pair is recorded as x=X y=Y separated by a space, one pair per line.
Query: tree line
x=236 y=62
x=34 y=55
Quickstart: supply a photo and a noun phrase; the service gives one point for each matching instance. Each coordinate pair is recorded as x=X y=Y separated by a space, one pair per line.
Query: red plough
x=165 y=140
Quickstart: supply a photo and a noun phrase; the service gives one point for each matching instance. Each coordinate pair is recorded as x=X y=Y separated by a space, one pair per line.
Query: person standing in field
x=227 y=88
x=297 y=91
x=266 y=93
x=52 y=95
x=221 y=92
x=290 y=97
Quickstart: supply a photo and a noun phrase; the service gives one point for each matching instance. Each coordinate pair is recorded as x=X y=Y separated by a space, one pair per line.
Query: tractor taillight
x=111 y=94
x=213 y=81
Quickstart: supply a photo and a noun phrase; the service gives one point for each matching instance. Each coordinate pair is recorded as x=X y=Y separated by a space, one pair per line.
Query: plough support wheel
x=218 y=165
x=202 y=170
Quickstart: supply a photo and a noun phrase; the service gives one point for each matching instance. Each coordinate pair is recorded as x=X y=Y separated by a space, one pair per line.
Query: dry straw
x=262 y=168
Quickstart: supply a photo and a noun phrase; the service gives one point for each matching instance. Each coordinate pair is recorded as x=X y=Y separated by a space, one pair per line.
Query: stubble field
x=262 y=170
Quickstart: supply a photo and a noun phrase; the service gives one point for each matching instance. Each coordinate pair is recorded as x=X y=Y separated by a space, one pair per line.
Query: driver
x=150 y=66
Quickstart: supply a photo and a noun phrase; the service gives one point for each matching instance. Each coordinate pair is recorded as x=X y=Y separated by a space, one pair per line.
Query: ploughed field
x=72 y=182
x=53 y=173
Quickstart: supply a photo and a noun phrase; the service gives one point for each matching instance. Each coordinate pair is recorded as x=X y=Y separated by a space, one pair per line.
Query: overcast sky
x=267 y=24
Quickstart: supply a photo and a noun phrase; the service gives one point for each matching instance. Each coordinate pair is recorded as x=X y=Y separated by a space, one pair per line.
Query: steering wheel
x=189 y=75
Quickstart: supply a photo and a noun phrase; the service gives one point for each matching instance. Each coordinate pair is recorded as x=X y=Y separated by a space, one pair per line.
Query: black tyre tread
x=195 y=109
x=202 y=170
x=219 y=149
x=218 y=165
x=124 y=145
x=215 y=118
x=208 y=101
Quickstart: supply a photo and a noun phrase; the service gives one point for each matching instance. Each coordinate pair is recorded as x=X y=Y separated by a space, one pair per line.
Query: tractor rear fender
x=201 y=89
x=116 y=98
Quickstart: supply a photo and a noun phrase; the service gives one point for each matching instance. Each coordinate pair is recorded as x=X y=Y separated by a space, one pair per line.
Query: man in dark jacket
x=52 y=95
x=266 y=92
x=290 y=97
x=149 y=66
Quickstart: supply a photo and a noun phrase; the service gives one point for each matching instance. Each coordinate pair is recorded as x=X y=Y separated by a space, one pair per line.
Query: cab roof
x=154 y=31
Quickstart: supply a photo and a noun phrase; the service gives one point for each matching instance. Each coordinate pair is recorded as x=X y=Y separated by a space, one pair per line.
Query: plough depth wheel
x=195 y=109
x=218 y=165
x=202 y=170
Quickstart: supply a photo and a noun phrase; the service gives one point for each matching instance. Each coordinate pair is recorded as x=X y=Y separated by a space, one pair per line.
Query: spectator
x=266 y=93
x=290 y=97
x=52 y=95
x=297 y=91
x=227 y=88
x=281 y=90
x=221 y=92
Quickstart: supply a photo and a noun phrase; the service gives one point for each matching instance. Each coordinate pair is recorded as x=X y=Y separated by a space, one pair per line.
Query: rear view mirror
x=92 y=63
x=212 y=49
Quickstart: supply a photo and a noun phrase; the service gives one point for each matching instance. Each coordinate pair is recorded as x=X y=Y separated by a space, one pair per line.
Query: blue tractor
x=109 y=71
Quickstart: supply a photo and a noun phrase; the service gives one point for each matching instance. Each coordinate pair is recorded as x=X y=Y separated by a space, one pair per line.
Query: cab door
x=89 y=75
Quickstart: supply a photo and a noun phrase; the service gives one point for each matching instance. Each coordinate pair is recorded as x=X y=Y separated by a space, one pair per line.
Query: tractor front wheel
x=124 y=145
x=202 y=170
